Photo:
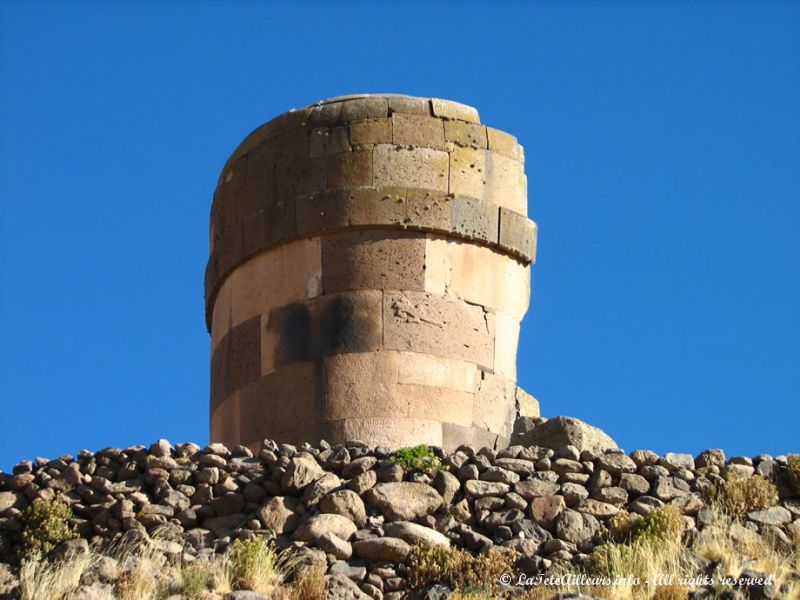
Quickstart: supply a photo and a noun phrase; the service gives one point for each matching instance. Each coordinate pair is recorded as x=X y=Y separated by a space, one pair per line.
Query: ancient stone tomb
x=367 y=277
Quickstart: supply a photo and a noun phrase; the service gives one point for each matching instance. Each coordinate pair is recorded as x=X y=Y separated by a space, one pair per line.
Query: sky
x=662 y=145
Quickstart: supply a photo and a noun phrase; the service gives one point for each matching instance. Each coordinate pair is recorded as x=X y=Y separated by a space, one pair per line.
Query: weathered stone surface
x=562 y=431
x=280 y=514
x=419 y=322
x=545 y=509
x=341 y=587
x=415 y=534
x=403 y=501
x=386 y=548
x=301 y=472
x=330 y=543
x=482 y=489
x=775 y=515
x=346 y=503
x=399 y=166
x=534 y=488
x=316 y=526
x=576 y=527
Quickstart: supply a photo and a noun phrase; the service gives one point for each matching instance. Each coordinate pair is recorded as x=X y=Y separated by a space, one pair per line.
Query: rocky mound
x=358 y=511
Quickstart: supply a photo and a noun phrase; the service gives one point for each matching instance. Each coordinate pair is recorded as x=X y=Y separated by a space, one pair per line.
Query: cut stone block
x=396 y=166
x=468 y=135
x=495 y=406
x=505 y=345
x=475 y=219
x=517 y=231
x=429 y=370
x=276 y=403
x=327 y=325
x=418 y=130
x=325 y=141
x=468 y=172
x=409 y=105
x=391 y=432
x=504 y=143
x=454 y=110
x=371 y=131
x=360 y=385
x=373 y=259
x=350 y=169
x=506 y=184
x=287 y=274
x=420 y=322
x=225 y=421
x=236 y=361
x=364 y=108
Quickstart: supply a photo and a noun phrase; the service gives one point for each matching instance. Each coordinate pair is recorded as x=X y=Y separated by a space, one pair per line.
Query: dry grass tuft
x=738 y=495
x=458 y=569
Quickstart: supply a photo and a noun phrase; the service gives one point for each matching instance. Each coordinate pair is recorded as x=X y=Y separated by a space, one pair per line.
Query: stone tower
x=367 y=277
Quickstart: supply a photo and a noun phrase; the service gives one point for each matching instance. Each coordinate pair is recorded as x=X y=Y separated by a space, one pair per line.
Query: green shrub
x=46 y=525
x=664 y=524
x=255 y=566
x=195 y=581
x=737 y=496
x=419 y=457
x=793 y=470
x=458 y=569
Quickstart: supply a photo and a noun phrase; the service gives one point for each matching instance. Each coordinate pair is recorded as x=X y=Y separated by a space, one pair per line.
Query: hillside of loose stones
x=351 y=510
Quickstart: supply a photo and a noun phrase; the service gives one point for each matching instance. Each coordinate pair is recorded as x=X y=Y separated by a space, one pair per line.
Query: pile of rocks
x=352 y=509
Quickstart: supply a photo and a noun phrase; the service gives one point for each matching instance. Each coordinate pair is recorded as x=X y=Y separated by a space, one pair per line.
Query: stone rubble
x=350 y=508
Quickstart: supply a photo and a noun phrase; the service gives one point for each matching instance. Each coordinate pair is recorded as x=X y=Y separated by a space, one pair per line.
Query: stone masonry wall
x=367 y=278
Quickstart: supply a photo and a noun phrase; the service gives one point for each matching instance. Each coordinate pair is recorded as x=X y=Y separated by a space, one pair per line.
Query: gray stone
x=482 y=489
x=341 y=587
x=776 y=515
x=712 y=457
x=499 y=475
x=313 y=528
x=301 y=472
x=576 y=527
x=281 y=514
x=446 y=484
x=330 y=543
x=634 y=484
x=70 y=549
x=669 y=488
x=388 y=549
x=415 y=534
x=404 y=500
x=674 y=460
x=245 y=595
x=644 y=504
x=616 y=463
x=534 y=488
x=347 y=504
x=559 y=432
x=573 y=493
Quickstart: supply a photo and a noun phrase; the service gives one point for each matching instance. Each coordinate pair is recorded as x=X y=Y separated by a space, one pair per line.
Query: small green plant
x=195 y=581
x=737 y=496
x=255 y=566
x=419 y=457
x=459 y=570
x=793 y=470
x=46 y=526
x=664 y=524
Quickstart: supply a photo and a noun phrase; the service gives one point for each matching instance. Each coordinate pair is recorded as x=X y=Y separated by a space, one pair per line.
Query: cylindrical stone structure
x=367 y=277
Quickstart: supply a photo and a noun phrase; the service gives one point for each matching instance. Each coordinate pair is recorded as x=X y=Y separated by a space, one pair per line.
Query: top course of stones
x=370 y=161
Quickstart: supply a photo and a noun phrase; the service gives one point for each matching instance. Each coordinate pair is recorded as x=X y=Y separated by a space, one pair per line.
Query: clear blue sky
x=663 y=156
